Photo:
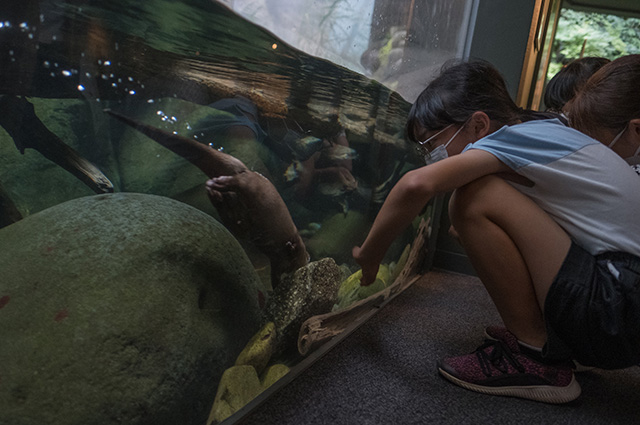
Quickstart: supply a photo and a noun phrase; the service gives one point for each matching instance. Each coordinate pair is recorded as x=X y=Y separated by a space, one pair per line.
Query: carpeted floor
x=384 y=373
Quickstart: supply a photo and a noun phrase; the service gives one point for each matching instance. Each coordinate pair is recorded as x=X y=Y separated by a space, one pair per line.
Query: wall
x=499 y=36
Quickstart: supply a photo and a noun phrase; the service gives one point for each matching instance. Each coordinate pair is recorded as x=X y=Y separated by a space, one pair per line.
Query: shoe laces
x=497 y=354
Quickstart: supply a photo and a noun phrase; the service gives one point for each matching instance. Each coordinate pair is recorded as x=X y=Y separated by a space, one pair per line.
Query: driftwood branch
x=317 y=330
x=19 y=119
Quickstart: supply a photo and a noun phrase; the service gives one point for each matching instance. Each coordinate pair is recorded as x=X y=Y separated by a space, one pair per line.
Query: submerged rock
x=351 y=290
x=259 y=349
x=241 y=383
x=309 y=291
x=273 y=374
x=120 y=308
x=238 y=386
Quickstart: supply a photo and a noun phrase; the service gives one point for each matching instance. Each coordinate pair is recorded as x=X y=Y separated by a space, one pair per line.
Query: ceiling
x=616 y=7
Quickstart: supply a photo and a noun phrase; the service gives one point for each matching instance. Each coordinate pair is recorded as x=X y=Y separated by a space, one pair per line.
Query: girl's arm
x=410 y=195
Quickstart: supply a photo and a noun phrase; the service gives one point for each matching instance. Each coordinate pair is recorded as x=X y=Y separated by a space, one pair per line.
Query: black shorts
x=592 y=310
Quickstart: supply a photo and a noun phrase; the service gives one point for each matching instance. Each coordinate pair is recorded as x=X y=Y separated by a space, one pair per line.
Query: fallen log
x=18 y=117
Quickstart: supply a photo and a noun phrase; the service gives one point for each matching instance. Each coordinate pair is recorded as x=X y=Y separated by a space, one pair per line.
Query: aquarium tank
x=181 y=186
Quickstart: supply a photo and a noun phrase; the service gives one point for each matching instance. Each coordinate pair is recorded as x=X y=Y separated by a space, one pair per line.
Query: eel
x=249 y=205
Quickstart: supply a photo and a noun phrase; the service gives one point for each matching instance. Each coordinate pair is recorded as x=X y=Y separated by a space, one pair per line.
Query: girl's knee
x=476 y=199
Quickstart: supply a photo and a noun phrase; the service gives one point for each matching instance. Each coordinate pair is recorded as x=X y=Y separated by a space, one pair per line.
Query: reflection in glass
x=401 y=44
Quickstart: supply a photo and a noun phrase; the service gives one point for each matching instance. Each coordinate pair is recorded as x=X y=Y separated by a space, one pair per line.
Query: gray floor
x=384 y=373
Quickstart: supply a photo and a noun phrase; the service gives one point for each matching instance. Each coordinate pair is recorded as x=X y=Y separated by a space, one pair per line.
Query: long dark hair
x=609 y=99
x=569 y=80
x=461 y=89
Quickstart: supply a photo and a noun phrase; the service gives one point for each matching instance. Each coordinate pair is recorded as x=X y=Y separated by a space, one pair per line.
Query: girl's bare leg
x=515 y=247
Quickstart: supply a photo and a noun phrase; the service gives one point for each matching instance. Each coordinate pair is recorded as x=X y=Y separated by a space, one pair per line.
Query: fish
x=303 y=148
x=335 y=181
x=381 y=191
x=311 y=229
x=290 y=144
x=336 y=152
x=377 y=194
x=292 y=173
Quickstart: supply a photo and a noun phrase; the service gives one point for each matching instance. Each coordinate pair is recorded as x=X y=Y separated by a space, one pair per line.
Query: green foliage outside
x=608 y=36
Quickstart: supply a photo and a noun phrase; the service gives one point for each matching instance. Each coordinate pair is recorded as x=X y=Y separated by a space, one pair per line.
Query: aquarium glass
x=181 y=187
x=399 y=43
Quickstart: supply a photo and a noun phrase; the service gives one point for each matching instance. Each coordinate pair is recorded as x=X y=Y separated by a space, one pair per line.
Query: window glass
x=592 y=34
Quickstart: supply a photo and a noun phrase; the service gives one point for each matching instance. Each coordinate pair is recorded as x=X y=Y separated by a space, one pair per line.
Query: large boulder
x=120 y=308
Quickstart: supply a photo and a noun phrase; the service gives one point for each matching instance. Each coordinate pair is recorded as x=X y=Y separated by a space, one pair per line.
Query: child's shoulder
x=552 y=124
x=545 y=131
x=540 y=142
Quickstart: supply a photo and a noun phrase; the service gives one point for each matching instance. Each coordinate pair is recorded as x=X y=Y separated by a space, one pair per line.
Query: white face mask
x=615 y=139
x=439 y=152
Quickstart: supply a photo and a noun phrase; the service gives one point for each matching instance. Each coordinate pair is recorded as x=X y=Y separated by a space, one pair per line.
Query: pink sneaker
x=500 y=367
x=495 y=332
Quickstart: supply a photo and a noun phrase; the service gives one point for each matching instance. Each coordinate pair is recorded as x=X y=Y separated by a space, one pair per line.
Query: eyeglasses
x=424 y=147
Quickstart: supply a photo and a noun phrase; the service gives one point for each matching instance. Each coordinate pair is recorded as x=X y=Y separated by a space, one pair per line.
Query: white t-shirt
x=586 y=187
